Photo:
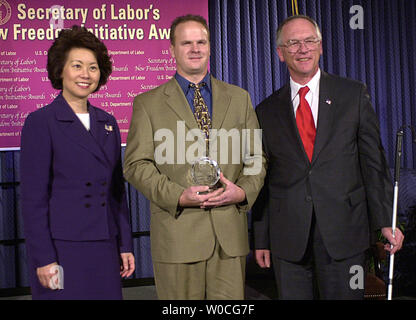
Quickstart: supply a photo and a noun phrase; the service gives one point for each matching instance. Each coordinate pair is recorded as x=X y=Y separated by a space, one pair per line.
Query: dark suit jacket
x=347 y=183
x=71 y=179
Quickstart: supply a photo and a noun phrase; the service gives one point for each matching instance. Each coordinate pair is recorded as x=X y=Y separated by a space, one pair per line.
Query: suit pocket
x=356 y=197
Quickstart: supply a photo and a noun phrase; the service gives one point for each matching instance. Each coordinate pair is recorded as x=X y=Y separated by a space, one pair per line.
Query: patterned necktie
x=306 y=125
x=201 y=113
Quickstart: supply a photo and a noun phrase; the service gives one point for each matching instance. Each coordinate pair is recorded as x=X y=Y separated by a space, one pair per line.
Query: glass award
x=205 y=172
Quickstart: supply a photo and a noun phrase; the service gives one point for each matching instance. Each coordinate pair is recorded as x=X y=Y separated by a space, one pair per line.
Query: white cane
x=399 y=139
x=393 y=226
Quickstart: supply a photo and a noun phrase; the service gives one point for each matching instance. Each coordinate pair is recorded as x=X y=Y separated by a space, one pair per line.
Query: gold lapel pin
x=108 y=127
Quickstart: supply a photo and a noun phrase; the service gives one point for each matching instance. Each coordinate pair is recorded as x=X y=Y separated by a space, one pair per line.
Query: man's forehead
x=191 y=24
x=299 y=26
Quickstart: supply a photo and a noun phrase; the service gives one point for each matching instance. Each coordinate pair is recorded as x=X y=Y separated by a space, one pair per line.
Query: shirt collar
x=313 y=85
x=184 y=83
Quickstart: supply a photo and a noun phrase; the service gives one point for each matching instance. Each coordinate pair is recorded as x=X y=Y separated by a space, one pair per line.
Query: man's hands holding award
x=205 y=197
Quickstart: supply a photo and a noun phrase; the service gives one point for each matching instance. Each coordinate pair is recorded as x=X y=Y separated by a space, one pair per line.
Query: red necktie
x=306 y=125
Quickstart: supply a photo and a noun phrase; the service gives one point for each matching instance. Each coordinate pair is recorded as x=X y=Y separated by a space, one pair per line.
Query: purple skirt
x=91 y=272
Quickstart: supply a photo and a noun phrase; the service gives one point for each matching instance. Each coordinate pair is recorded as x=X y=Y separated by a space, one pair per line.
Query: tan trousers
x=221 y=277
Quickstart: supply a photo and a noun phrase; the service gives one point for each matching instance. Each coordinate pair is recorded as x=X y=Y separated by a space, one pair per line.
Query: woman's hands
x=127 y=264
x=50 y=276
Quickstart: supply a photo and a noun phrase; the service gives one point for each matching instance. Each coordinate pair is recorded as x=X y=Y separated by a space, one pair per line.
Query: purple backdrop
x=135 y=32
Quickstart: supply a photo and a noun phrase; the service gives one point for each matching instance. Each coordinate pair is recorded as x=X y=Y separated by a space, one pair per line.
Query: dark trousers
x=318 y=276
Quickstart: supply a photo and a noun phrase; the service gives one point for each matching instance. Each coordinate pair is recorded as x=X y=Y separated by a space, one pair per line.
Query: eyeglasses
x=293 y=46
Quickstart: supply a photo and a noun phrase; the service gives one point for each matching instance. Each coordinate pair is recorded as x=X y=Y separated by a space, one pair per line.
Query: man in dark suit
x=328 y=184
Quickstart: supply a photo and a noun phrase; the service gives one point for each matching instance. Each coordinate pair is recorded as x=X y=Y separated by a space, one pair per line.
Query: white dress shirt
x=312 y=96
x=85 y=119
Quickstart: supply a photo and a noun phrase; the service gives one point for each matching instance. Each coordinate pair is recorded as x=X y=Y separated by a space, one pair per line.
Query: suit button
x=308 y=198
x=103 y=204
x=87 y=205
x=310 y=172
x=88 y=184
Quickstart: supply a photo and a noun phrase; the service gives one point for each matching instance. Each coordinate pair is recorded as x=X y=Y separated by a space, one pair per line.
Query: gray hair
x=280 y=28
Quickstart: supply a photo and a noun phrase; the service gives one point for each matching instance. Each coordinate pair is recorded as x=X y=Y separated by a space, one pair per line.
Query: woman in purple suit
x=76 y=222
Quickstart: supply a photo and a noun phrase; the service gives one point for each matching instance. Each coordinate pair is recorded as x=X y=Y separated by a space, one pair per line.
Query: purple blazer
x=72 y=185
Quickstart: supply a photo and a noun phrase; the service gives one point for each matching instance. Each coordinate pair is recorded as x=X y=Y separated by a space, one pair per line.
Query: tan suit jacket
x=183 y=235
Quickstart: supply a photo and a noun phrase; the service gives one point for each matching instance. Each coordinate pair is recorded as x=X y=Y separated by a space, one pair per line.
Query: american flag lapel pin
x=108 y=128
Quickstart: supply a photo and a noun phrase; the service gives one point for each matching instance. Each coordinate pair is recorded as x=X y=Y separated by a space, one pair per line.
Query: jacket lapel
x=75 y=130
x=288 y=114
x=176 y=100
x=325 y=115
x=100 y=130
x=220 y=103
x=289 y=120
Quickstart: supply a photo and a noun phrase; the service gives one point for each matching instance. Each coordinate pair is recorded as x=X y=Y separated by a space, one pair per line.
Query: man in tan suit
x=199 y=240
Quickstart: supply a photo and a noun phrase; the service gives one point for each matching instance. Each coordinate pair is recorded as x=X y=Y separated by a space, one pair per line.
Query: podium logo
x=5 y=12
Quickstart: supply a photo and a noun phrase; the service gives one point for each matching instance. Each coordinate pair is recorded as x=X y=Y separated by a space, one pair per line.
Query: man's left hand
x=396 y=242
x=233 y=194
